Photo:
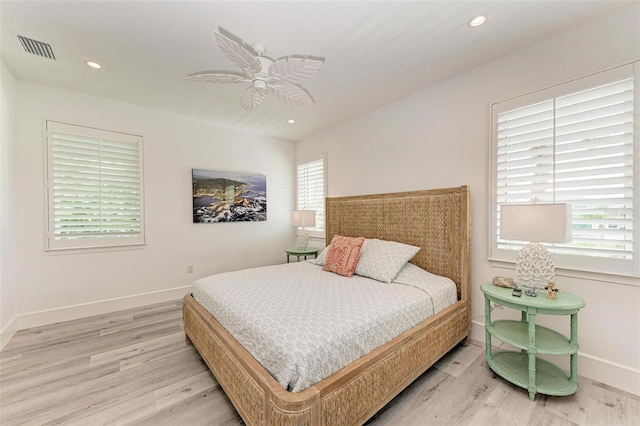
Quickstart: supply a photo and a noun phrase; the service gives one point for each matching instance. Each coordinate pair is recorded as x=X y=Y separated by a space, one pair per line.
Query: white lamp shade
x=548 y=223
x=303 y=218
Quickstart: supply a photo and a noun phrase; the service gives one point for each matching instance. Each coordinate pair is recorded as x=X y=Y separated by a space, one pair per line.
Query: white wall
x=55 y=287
x=8 y=284
x=440 y=137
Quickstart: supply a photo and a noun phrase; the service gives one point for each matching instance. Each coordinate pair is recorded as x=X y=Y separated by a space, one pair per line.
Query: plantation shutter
x=311 y=182
x=94 y=187
x=577 y=149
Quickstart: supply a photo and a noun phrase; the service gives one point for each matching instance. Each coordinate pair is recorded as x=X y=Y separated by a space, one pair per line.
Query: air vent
x=37 y=47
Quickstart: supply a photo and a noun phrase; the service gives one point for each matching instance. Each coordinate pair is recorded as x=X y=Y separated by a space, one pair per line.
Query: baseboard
x=609 y=373
x=477 y=331
x=67 y=313
x=8 y=331
x=598 y=369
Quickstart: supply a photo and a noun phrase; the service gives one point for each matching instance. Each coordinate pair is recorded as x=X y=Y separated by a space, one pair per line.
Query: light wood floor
x=134 y=368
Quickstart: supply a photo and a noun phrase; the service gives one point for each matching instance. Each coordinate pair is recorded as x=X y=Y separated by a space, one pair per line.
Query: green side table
x=298 y=252
x=523 y=368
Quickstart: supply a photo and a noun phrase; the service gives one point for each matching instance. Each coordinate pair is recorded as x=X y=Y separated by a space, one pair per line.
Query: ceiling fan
x=281 y=76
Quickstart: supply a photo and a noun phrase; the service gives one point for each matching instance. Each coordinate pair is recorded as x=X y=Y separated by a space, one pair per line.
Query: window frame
x=315 y=232
x=572 y=265
x=98 y=243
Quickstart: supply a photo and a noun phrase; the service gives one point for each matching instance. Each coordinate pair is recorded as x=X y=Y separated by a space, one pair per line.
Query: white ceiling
x=376 y=51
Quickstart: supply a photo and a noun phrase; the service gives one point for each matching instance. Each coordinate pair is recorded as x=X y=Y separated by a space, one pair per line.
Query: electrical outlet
x=189 y=269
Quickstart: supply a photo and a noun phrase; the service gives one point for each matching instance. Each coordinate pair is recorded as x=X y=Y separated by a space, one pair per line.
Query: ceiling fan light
x=478 y=20
x=260 y=85
x=259 y=48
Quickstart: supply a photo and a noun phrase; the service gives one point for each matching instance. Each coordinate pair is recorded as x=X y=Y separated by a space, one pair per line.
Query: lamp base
x=534 y=267
x=303 y=239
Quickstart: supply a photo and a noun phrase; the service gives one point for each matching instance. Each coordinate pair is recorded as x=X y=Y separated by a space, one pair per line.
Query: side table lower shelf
x=550 y=379
x=548 y=341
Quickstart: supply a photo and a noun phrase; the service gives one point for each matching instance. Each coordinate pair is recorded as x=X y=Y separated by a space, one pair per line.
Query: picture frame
x=225 y=196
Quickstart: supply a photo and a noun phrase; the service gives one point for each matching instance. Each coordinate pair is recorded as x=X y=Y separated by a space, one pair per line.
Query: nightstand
x=301 y=252
x=523 y=368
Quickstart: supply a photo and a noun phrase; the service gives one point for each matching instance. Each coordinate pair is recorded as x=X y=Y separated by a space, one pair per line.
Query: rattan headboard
x=436 y=220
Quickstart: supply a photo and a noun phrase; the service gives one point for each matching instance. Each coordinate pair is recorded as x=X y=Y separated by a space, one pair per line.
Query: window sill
x=80 y=250
x=584 y=275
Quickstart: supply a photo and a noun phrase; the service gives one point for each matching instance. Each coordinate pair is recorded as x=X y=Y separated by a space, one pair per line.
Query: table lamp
x=536 y=223
x=302 y=219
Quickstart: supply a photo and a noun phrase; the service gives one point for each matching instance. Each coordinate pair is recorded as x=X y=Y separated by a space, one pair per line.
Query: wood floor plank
x=546 y=418
x=99 y=393
x=129 y=411
x=572 y=407
x=611 y=407
x=75 y=332
x=205 y=408
x=184 y=389
x=459 y=402
x=459 y=361
x=134 y=368
x=504 y=406
x=52 y=380
x=10 y=361
x=410 y=399
x=439 y=398
x=142 y=320
x=83 y=347
x=131 y=351
x=29 y=339
x=153 y=356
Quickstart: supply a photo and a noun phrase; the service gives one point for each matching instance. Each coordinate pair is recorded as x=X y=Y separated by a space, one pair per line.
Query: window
x=573 y=143
x=94 y=187
x=311 y=191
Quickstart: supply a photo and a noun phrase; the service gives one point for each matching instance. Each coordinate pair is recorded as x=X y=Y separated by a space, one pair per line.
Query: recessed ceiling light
x=94 y=64
x=291 y=121
x=478 y=20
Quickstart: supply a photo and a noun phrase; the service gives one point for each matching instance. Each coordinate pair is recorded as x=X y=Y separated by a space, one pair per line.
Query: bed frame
x=436 y=220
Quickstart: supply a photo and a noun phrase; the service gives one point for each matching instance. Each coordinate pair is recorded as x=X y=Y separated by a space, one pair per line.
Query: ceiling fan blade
x=217 y=77
x=294 y=69
x=237 y=53
x=252 y=97
x=293 y=94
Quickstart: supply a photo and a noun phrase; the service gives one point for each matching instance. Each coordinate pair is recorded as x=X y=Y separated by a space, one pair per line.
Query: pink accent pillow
x=343 y=254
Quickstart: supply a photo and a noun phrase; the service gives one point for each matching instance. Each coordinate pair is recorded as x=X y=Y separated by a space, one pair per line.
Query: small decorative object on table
x=504 y=282
x=552 y=291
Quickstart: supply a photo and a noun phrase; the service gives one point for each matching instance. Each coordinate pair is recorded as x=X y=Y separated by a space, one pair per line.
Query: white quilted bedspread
x=303 y=324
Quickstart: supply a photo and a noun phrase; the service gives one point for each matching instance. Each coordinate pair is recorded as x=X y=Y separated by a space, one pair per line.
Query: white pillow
x=322 y=256
x=410 y=274
x=442 y=290
x=382 y=260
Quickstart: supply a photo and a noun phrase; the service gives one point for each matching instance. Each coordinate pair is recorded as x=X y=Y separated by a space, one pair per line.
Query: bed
x=438 y=221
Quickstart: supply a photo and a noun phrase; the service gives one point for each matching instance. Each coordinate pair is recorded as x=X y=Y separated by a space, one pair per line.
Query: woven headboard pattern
x=436 y=220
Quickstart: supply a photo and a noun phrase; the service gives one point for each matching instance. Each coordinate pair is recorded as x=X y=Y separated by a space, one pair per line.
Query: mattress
x=303 y=324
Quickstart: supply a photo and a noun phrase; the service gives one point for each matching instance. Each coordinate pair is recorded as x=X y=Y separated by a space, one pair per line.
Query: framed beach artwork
x=220 y=196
